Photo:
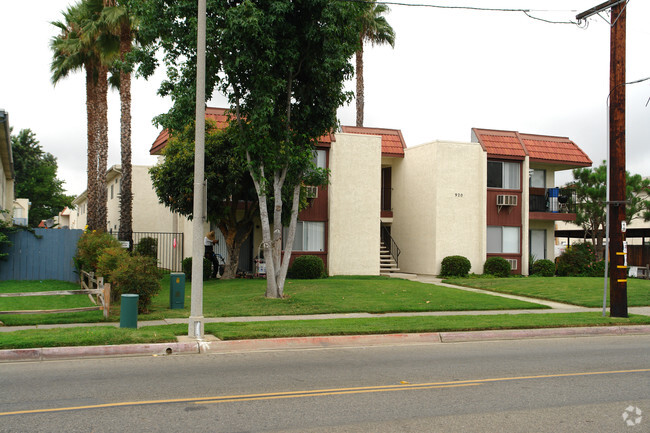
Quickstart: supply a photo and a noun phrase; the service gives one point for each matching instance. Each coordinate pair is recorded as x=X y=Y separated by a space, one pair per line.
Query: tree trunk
x=291 y=235
x=360 y=88
x=91 y=114
x=102 y=146
x=235 y=238
x=126 y=197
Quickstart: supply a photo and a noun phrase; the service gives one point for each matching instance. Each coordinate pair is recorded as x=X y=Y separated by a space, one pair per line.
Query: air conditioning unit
x=311 y=191
x=513 y=264
x=506 y=200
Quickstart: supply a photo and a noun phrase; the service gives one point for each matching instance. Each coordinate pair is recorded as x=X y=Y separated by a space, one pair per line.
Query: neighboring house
x=66 y=219
x=7 y=174
x=21 y=211
x=150 y=218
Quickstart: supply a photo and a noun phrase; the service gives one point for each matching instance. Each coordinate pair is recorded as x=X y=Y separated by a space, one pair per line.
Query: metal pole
x=195 y=323
x=606 y=219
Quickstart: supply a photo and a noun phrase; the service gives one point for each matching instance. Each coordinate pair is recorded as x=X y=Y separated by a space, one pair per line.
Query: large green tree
x=82 y=44
x=591 y=190
x=376 y=30
x=231 y=203
x=36 y=178
x=282 y=65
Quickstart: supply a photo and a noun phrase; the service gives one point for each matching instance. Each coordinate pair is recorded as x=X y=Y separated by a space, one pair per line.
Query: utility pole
x=617 y=186
x=195 y=323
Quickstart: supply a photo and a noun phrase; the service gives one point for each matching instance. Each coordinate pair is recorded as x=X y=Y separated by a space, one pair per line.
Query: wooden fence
x=47 y=256
x=90 y=286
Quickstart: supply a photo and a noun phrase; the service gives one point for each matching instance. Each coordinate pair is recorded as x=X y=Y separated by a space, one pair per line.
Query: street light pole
x=195 y=323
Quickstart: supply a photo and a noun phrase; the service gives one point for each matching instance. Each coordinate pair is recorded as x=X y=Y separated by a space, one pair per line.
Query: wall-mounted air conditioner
x=506 y=200
x=513 y=264
x=311 y=191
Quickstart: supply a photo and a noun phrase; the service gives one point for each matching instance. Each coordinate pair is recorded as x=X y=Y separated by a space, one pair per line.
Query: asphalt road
x=552 y=385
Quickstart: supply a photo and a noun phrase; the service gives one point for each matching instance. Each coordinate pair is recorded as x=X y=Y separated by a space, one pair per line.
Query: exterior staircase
x=387 y=263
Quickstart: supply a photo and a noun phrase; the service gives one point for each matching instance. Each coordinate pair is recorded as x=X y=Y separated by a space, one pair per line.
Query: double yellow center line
x=321 y=392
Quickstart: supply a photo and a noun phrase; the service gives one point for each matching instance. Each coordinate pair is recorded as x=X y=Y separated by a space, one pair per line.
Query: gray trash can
x=129 y=311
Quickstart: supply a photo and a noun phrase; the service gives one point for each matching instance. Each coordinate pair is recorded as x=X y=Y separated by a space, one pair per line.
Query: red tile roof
x=539 y=148
x=392 y=141
x=220 y=117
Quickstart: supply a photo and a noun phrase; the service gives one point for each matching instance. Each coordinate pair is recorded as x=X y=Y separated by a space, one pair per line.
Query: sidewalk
x=213 y=345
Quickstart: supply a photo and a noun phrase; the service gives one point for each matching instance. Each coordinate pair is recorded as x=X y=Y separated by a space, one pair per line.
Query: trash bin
x=129 y=311
x=177 y=291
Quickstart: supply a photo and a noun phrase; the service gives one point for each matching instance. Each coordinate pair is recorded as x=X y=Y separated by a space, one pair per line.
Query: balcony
x=557 y=204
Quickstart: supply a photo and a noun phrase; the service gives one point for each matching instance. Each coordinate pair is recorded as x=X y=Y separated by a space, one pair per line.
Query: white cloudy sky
x=450 y=70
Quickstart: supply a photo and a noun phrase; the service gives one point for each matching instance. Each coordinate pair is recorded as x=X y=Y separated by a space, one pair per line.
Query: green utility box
x=177 y=291
x=129 y=311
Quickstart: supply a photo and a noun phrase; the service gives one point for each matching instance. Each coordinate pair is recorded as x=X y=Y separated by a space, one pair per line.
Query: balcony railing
x=556 y=200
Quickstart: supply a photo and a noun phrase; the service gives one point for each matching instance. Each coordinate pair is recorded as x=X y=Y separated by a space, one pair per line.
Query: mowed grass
x=240 y=297
x=584 y=291
x=109 y=335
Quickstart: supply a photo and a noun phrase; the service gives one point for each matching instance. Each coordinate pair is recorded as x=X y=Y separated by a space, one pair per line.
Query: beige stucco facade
x=6 y=169
x=354 y=196
x=439 y=195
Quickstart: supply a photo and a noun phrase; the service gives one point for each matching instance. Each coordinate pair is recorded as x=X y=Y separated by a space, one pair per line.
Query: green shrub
x=91 y=245
x=497 y=266
x=543 y=268
x=455 y=266
x=107 y=263
x=147 y=247
x=138 y=275
x=187 y=268
x=307 y=268
x=577 y=260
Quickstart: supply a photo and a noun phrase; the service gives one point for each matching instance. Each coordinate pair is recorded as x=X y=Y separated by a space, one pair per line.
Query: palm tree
x=119 y=19
x=80 y=46
x=376 y=30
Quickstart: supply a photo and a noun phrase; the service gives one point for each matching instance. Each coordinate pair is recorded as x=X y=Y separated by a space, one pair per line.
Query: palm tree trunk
x=126 y=198
x=360 y=89
x=91 y=114
x=102 y=146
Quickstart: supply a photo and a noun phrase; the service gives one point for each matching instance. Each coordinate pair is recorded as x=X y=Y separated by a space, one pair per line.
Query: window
x=537 y=178
x=320 y=158
x=503 y=175
x=111 y=192
x=310 y=236
x=502 y=240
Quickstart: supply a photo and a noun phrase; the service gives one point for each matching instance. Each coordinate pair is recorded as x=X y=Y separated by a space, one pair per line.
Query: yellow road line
x=321 y=392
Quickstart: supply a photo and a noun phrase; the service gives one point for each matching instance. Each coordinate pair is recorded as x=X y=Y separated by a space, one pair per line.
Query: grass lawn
x=584 y=291
x=241 y=297
x=108 y=335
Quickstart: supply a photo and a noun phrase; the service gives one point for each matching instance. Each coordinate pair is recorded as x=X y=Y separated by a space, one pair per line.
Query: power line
x=526 y=12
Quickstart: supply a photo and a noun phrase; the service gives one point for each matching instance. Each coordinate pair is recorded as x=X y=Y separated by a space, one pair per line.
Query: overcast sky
x=450 y=70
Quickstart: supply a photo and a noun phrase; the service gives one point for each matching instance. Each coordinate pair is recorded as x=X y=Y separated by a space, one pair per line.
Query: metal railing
x=167 y=248
x=389 y=243
x=563 y=202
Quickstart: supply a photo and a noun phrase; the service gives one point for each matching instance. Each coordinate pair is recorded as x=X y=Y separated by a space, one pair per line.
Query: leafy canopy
x=36 y=178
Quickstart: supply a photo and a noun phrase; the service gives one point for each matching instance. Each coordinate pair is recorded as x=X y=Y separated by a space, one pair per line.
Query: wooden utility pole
x=617 y=187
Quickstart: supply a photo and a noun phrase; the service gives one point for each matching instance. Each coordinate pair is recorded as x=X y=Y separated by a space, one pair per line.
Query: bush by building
x=187 y=268
x=90 y=247
x=307 y=268
x=497 y=266
x=543 y=268
x=455 y=266
x=138 y=275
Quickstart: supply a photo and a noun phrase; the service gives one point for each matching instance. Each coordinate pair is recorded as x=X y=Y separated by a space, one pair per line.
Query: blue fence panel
x=45 y=258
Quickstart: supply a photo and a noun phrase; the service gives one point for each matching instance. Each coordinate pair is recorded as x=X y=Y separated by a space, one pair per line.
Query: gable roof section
x=539 y=148
x=220 y=117
x=392 y=141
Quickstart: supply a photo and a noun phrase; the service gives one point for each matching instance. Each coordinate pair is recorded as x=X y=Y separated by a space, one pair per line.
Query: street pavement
x=210 y=344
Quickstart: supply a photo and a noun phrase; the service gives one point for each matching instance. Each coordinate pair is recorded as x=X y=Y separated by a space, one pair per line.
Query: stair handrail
x=388 y=240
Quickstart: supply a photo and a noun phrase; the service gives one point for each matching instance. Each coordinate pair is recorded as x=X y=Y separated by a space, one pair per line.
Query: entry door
x=537 y=244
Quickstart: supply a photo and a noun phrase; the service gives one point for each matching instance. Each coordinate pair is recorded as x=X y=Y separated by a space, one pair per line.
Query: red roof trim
x=392 y=140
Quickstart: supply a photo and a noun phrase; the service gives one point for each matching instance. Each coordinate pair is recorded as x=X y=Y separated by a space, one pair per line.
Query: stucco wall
x=354 y=205
x=439 y=193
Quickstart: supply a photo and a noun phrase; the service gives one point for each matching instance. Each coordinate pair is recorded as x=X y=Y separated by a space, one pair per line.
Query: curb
x=295 y=343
